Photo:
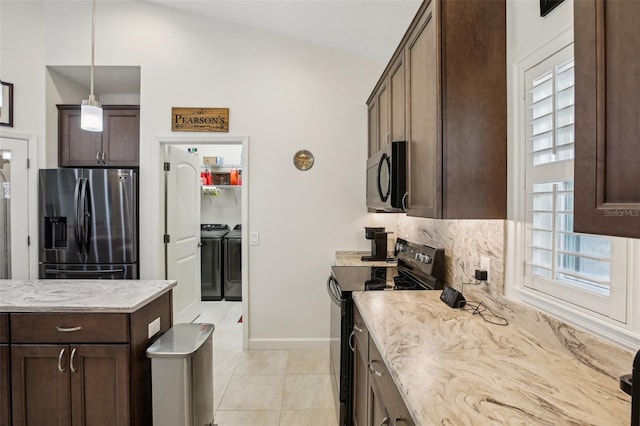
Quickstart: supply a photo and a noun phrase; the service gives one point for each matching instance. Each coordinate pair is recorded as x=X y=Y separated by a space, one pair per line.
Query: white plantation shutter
x=577 y=268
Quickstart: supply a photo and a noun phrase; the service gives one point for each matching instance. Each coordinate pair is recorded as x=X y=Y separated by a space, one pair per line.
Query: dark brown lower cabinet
x=70 y=385
x=386 y=399
x=5 y=395
x=376 y=400
x=360 y=384
x=83 y=368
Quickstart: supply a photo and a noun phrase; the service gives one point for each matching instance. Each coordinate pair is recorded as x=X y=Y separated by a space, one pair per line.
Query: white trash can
x=182 y=376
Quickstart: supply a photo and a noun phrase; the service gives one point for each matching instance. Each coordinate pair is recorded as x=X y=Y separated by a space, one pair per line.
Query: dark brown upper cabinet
x=118 y=145
x=387 y=107
x=453 y=66
x=607 y=94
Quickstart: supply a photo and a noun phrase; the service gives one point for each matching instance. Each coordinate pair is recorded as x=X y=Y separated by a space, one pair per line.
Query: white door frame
x=32 y=154
x=224 y=140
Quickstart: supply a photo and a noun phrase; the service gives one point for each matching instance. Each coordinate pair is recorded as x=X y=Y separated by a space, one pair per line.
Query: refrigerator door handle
x=78 y=215
x=86 y=217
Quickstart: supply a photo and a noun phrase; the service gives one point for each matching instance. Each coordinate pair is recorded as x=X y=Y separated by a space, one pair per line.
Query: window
x=585 y=270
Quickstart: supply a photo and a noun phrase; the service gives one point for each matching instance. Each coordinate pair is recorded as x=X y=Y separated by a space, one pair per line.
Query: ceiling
x=367 y=28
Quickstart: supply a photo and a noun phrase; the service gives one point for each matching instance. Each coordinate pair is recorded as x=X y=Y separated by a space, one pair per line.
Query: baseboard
x=257 y=343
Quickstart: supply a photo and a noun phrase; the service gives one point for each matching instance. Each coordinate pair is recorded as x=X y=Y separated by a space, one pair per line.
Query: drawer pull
x=60 y=355
x=68 y=329
x=72 y=359
x=358 y=329
x=353 y=349
x=374 y=371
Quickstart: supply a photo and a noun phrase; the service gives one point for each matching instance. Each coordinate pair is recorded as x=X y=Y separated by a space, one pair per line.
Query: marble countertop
x=451 y=367
x=353 y=258
x=107 y=296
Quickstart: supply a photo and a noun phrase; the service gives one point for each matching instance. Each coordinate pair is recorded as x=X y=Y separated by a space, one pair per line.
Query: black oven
x=420 y=267
x=387 y=178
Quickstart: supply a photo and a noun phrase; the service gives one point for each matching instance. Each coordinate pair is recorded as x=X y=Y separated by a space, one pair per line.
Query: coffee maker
x=378 y=238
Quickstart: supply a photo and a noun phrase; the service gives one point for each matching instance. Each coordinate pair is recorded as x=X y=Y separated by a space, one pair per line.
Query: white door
x=14 y=209
x=183 y=227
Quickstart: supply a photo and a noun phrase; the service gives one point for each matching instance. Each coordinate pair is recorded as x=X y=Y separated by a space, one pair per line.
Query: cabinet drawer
x=69 y=328
x=361 y=332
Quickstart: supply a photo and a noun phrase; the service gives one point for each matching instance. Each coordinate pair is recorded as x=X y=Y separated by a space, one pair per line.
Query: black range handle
x=626 y=384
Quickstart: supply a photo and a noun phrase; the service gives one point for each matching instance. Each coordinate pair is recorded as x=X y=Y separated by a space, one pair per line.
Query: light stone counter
x=453 y=368
x=353 y=258
x=108 y=296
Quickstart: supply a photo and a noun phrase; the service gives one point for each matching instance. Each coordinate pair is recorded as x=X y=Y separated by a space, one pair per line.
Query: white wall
x=284 y=94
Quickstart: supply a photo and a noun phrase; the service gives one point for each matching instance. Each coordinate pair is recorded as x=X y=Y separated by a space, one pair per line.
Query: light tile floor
x=265 y=387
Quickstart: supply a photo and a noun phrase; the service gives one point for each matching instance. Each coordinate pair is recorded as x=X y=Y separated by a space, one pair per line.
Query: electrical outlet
x=153 y=328
x=485 y=263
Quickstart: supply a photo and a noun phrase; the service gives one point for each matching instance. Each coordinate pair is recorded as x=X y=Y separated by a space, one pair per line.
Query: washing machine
x=212 y=260
x=233 y=264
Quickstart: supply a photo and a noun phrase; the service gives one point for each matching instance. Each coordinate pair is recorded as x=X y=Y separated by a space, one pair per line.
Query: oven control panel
x=420 y=259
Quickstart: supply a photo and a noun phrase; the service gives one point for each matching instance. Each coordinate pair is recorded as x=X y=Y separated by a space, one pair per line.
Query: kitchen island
x=452 y=367
x=74 y=351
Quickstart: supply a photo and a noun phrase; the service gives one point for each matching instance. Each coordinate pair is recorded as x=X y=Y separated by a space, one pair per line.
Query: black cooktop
x=420 y=267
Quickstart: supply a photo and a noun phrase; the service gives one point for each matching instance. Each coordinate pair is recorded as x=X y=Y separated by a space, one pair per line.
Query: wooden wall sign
x=199 y=119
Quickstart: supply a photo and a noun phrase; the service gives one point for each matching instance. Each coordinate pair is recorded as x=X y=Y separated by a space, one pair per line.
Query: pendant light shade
x=91 y=115
x=91 y=110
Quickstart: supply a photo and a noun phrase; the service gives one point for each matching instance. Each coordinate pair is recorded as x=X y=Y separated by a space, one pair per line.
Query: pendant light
x=91 y=110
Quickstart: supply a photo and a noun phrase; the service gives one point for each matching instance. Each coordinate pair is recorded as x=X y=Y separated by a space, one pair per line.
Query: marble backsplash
x=464 y=242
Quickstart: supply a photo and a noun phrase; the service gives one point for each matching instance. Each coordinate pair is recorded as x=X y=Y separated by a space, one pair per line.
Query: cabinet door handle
x=404 y=201
x=384 y=421
x=68 y=329
x=72 y=359
x=104 y=154
x=374 y=371
x=398 y=419
x=98 y=157
x=60 y=355
x=356 y=328
x=353 y=349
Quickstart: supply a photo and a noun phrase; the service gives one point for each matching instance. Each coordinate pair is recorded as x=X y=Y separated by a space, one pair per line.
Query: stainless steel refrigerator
x=88 y=224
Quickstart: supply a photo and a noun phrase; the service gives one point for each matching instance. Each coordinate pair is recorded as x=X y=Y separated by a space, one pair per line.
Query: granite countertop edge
x=80 y=296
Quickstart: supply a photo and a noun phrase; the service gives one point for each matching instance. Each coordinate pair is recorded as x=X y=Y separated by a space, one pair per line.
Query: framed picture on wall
x=6 y=105
x=547 y=6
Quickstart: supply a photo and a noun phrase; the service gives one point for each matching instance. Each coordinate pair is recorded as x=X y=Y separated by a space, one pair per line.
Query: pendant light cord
x=93 y=46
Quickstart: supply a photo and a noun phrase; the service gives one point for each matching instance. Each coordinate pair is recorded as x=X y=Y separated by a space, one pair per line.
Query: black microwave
x=387 y=178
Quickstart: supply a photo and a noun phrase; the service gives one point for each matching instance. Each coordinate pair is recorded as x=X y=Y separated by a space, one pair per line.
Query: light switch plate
x=153 y=327
x=254 y=238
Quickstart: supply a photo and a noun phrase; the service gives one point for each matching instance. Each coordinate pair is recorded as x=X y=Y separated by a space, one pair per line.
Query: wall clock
x=303 y=160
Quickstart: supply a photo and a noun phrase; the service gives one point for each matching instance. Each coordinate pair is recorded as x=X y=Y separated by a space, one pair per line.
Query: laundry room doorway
x=222 y=217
